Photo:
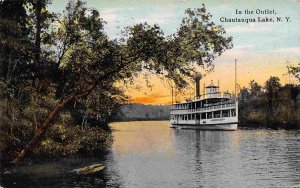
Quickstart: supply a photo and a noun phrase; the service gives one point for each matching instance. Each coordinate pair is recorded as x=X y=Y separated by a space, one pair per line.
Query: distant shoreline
x=116 y=121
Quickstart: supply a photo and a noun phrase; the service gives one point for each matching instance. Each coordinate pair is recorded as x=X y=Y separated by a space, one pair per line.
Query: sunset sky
x=261 y=49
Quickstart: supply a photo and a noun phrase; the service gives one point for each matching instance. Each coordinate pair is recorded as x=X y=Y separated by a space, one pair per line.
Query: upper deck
x=212 y=97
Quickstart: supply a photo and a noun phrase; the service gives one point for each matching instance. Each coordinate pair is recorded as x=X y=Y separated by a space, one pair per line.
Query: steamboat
x=214 y=110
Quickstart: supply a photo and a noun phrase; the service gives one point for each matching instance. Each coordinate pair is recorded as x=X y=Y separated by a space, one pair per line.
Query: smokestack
x=198 y=77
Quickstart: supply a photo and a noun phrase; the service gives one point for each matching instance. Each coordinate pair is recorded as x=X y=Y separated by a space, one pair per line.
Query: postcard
x=169 y=93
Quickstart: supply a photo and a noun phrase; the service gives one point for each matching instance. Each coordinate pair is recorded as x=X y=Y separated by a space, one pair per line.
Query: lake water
x=150 y=154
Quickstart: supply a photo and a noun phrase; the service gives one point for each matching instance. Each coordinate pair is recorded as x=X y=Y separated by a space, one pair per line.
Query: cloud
x=244 y=47
x=115 y=14
x=109 y=15
x=293 y=50
x=252 y=27
x=159 y=17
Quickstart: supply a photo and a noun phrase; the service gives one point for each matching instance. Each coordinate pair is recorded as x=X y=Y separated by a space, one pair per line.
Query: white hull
x=220 y=127
x=224 y=123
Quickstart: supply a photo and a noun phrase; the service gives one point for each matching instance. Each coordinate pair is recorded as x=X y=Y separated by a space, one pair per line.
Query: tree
x=295 y=71
x=86 y=62
x=13 y=38
x=255 y=89
x=272 y=88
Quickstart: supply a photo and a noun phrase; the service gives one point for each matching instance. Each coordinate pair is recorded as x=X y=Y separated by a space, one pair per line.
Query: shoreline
x=240 y=125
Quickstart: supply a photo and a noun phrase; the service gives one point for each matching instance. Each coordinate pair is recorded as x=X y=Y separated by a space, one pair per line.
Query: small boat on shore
x=89 y=170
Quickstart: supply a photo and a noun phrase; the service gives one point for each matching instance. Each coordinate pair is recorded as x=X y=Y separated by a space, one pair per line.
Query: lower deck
x=228 y=115
x=214 y=120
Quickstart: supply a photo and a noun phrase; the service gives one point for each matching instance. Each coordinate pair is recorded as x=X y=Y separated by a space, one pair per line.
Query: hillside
x=131 y=112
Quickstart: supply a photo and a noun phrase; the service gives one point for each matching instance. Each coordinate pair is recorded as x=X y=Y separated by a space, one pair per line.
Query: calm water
x=150 y=154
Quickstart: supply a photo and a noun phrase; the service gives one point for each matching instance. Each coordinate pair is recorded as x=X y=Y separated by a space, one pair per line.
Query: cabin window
x=217 y=114
x=209 y=115
x=203 y=116
x=225 y=113
x=197 y=116
x=233 y=113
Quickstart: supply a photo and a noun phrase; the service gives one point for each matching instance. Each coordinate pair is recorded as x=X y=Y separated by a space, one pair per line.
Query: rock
x=7 y=172
x=89 y=170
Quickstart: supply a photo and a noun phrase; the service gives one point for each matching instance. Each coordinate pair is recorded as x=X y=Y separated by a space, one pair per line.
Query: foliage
x=66 y=140
x=65 y=64
x=295 y=71
x=196 y=44
x=272 y=106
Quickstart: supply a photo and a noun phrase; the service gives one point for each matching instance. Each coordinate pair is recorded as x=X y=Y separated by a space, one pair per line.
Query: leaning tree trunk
x=40 y=132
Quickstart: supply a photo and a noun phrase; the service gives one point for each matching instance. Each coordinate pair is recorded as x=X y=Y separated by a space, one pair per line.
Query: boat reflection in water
x=244 y=158
x=150 y=154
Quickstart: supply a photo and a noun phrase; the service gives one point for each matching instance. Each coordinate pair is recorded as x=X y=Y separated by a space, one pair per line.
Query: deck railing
x=216 y=107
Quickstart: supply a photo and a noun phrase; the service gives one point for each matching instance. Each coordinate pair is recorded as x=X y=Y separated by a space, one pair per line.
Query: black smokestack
x=197 y=82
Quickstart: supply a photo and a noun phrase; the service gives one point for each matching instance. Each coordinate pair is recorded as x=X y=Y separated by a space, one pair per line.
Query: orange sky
x=251 y=66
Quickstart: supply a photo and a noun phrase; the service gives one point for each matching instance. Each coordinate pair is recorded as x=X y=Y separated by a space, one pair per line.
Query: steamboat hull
x=212 y=127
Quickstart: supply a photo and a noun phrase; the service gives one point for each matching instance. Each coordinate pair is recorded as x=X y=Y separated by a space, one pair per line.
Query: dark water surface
x=150 y=154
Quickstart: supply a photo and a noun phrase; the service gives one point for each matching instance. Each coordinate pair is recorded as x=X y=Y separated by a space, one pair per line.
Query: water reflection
x=241 y=158
x=52 y=173
x=150 y=154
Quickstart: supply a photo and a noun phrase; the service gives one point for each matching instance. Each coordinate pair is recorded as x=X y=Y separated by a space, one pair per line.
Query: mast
x=219 y=91
x=235 y=79
x=236 y=100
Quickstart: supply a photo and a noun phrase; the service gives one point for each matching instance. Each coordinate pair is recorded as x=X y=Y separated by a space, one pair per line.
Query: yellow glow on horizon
x=160 y=93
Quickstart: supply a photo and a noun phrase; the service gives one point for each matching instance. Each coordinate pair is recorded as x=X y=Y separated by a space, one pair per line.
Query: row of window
x=207 y=115
x=199 y=104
